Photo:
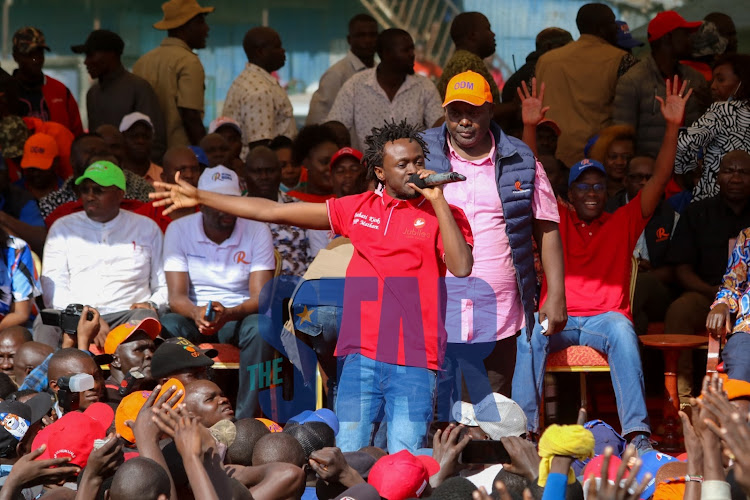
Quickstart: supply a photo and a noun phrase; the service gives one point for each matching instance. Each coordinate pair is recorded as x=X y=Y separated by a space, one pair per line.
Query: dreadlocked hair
x=379 y=137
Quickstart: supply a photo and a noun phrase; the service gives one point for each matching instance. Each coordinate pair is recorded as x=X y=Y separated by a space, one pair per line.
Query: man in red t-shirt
x=598 y=248
x=404 y=239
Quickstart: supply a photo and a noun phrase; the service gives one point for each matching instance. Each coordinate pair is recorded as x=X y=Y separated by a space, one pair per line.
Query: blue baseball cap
x=585 y=164
x=322 y=415
x=201 y=155
x=652 y=462
x=624 y=39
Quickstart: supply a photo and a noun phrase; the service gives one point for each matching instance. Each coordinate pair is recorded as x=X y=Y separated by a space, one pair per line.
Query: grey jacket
x=635 y=102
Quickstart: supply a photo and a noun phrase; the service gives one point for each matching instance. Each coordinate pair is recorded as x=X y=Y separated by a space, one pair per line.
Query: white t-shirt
x=220 y=273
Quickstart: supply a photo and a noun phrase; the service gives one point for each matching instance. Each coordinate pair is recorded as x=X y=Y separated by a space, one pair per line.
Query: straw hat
x=179 y=12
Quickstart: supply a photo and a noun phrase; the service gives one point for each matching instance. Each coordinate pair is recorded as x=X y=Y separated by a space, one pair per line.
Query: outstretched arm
x=673 y=110
x=183 y=195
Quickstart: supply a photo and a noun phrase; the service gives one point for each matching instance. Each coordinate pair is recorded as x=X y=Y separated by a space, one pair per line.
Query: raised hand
x=532 y=105
x=175 y=196
x=524 y=458
x=446 y=449
x=673 y=106
x=188 y=438
x=618 y=490
x=28 y=471
x=145 y=429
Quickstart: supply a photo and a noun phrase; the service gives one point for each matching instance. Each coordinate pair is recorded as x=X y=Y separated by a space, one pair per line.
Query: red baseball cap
x=402 y=475
x=73 y=435
x=341 y=153
x=668 y=21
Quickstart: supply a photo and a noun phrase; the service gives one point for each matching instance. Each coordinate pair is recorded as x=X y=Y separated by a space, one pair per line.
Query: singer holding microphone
x=507 y=199
x=405 y=238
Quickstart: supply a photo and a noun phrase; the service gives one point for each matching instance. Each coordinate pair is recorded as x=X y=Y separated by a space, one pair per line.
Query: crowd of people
x=137 y=249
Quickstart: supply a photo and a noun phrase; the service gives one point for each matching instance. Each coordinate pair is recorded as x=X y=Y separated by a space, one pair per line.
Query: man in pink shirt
x=507 y=199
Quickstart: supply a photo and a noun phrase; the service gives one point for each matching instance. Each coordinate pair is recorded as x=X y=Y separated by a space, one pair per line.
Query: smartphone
x=484 y=451
x=210 y=313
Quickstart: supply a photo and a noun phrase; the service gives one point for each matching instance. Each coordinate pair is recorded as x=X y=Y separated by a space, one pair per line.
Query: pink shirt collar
x=489 y=159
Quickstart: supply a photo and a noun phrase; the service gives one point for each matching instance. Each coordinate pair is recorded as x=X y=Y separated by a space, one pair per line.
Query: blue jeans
x=256 y=356
x=610 y=333
x=321 y=336
x=367 y=388
x=736 y=356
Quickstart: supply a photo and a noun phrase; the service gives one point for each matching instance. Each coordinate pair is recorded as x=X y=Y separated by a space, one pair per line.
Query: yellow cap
x=468 y=87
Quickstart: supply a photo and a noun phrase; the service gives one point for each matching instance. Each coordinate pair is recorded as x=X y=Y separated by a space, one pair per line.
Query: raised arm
x=673 y=110
x=182 y=195
x=532 y=112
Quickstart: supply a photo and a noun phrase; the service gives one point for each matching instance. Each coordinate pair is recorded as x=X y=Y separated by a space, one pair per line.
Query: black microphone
x=433 y=180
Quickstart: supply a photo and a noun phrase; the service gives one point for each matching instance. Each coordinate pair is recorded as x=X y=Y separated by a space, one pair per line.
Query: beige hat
x=179 y=12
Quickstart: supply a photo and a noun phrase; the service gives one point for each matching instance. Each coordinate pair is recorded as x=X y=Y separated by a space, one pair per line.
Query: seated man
x=131 y=346
x=732 y=301
x=138 y=140
x=702 y=241
x=654 y=286
x=216 y=267
x=39 y=164
x=598 y=249
x=263 y=179
x=181 y=359
x=104 y=257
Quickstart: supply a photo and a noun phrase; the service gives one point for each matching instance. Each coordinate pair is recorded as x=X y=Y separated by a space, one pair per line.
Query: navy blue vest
x=515 y=171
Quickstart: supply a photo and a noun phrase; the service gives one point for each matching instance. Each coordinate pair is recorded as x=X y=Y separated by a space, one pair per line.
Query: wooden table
x=671 y=345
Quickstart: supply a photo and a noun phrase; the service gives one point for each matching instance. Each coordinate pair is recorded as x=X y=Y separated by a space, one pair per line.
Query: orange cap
x=736 y=389
x=132 y=403
x=468 y=87
x=39 y=151
x=272 y=426
x=120 y=334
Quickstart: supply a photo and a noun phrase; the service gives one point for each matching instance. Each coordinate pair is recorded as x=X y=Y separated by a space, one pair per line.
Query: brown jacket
x=580 y=80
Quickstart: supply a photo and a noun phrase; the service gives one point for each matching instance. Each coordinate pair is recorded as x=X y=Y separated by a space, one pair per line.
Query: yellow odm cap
x=468 y=87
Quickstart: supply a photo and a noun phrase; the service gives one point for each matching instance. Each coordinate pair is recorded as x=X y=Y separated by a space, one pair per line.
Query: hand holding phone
x=210 y=313
x=480 y=451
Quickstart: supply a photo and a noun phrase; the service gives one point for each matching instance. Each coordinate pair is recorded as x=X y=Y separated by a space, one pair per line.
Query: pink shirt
x=480 y=201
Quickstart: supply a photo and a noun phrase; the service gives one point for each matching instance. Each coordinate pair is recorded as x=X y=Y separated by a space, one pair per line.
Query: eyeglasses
x=639 y=177
x=585 y=188
x=96 y=189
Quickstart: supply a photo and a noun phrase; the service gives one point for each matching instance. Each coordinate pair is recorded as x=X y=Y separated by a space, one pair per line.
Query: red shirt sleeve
x=340 y=213
x=463 y=226
x=631 y=217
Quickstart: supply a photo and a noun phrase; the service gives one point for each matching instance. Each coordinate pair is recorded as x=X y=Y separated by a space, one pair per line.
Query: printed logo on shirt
x=416 y=233
x=366 y=221
x=661 y=235
x=517 y=188
x=218 y=176
x=419 y=223
x=239 y=258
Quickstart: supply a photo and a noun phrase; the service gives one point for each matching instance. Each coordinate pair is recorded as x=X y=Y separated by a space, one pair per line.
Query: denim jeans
x=610 y=333
x=736 y=356
x=255 y=354
x=403 y=394
x=321 y=336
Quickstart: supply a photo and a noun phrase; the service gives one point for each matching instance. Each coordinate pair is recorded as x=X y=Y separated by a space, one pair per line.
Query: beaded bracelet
x=697 y=479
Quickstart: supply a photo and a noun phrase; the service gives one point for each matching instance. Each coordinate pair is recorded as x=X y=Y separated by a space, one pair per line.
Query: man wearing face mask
x=43 y=96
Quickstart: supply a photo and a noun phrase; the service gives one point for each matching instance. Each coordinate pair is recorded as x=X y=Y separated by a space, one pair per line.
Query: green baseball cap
x=104 y=173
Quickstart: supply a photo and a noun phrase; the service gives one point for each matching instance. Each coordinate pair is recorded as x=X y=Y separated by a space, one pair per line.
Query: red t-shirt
x=598 y=259
x=393 y=298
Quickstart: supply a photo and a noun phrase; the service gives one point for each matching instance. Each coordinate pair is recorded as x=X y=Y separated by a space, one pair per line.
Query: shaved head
x=140 y=478
x=181 y=159
x=278 y=447
x=29 y=356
